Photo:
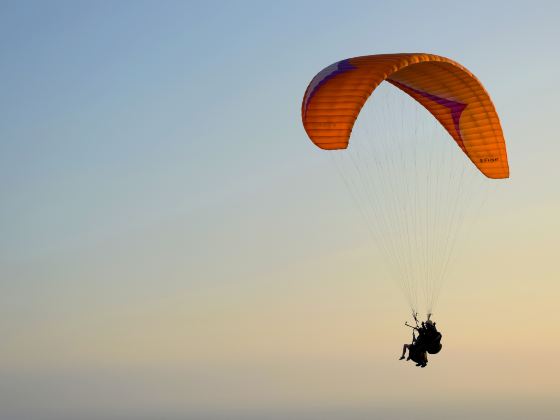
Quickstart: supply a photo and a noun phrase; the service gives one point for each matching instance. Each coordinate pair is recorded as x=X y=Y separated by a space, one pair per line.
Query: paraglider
x=427 y=342
x=414 y=209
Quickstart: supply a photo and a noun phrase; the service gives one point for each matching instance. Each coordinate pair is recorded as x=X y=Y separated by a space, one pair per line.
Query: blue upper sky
x=122 y=105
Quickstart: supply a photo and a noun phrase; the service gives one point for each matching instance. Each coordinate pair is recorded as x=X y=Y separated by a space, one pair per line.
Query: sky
x=173 y=246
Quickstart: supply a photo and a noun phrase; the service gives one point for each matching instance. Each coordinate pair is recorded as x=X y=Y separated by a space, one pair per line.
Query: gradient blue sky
x=165 y=221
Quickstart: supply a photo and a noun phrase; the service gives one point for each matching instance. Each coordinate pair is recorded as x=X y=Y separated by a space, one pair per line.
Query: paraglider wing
x=446 y=89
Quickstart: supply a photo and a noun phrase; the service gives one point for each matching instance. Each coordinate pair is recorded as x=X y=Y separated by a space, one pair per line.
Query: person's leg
x=404 y=347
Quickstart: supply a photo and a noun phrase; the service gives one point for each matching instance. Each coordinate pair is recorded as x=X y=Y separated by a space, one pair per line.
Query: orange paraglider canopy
x=446 y=89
